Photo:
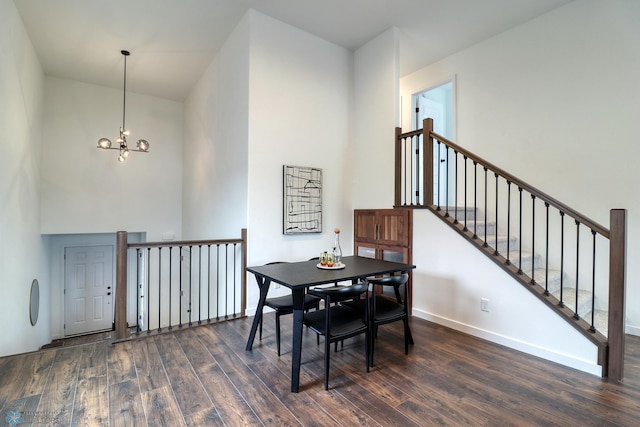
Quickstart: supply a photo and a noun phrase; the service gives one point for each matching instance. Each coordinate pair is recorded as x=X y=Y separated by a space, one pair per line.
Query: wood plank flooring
x=203 y=377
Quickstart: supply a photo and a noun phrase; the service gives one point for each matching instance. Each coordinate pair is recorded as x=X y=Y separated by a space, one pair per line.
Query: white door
x=88 y=289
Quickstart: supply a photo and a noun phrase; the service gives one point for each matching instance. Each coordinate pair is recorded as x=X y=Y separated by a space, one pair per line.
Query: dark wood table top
x=306 y=273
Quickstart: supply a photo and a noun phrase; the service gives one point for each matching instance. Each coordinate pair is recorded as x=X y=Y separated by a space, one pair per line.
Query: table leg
x=298 y=312
x=263 y=285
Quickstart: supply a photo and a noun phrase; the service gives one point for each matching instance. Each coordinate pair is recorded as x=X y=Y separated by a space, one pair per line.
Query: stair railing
x=179 y=283
x=582 y=270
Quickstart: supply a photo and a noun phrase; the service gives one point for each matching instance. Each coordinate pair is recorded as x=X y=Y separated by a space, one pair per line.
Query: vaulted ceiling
x=172 y=42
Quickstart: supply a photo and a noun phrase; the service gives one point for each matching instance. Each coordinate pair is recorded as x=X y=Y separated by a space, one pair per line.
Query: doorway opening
x=437 y=102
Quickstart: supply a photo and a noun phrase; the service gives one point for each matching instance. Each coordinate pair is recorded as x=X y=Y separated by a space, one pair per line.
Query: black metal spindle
x=180 y=283
x=438 y=176
x=575 y=314
x=561 y=303
x=508 y=222
x=170 y=283
x=138 y=289
x=446 y=181
x=159 y=289
x=208 y=283
x=533 y=239
x=520 y=232
x=226 y=280
x=148 y=290
x=217 y=282
x=199 y=284
x=190 y=285
x=475 y=199
x=546 y=268
x=235 y=288
x=455 y=190
x=593 y=284
x=495 y=250
x=485 y=208
x=465 y=194
x=417 y=172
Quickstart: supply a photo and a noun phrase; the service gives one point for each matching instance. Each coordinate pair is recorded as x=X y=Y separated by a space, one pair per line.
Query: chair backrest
x=395 y=281
x=341 y=292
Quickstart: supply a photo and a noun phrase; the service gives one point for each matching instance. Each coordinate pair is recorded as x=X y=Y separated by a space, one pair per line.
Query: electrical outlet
x=484 y=304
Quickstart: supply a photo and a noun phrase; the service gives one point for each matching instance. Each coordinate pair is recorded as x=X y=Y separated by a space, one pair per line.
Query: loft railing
x=179 y=284
x=570 y=262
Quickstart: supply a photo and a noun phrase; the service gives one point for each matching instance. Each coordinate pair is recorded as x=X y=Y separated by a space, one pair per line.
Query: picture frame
x=302 y=199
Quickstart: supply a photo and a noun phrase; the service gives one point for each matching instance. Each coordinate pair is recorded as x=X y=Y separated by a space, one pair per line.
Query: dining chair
x=338 y=322
x=284 y=305
x=383 y=310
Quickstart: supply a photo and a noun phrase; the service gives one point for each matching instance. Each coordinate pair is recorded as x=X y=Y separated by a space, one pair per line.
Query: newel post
x=427 y=161
x=617 y=282
x=122 y=330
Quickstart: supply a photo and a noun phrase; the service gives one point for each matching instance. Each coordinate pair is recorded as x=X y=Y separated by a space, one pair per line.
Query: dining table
x=298 y=276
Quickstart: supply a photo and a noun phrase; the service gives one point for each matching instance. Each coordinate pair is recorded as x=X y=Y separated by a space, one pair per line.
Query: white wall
x=555 y=101
x=22 y=251
x=85 y=189
x=376 y=70
x=216 y=118
x=299 y=114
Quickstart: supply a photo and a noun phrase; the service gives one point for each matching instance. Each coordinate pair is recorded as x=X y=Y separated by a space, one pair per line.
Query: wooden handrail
x=517 y=181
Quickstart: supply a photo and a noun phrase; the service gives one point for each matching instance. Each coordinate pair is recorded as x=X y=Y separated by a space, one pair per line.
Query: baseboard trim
x=563 y=359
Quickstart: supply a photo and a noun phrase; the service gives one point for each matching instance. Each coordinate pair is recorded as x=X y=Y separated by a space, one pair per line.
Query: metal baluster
x=208 y=283
x=217 y=282
x=148 y=290
x=438 y=176
x=561 y=304
x=508 y=222
x=533 y=239
x=546 y=268
x=446 y=181
x=465 y=194
x=190 y=283
x=139 y=297
x=475 y=199
x=593 y=284
x=235 y=253
x=180 y=282
x=485 y=208
x=455 y=190
x=495 y=250
x=159 y=288
x=199 y=284
x=520 y=233
x=226 y=280
x=170 y=282
x=576 y=315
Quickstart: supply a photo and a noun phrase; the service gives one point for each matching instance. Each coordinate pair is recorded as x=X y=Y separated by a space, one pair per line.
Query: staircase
x=575 y=266
x=558 y=285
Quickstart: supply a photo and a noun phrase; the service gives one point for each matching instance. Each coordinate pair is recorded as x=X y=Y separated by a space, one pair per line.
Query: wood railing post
x=122 y=330
x=397 y=179
x=244 y=273
x=614 y=365
x=427 y=161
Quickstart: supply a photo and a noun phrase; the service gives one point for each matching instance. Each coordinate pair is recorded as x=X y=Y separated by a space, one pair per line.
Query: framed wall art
x=302 y=200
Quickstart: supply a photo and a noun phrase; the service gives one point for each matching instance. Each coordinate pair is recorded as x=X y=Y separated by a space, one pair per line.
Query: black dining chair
x=284 y=305
x=338 y=322
x=383 y=310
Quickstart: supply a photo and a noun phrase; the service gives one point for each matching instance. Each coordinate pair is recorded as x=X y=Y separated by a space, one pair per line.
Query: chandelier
x=142 y=145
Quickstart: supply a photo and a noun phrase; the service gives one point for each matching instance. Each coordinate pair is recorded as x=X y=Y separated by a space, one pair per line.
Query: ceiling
x=172 y=42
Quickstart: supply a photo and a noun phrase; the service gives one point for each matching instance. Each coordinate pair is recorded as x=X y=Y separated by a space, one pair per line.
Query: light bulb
x=121 y=158
x=143 y=145
x=104 y=143
x=125 y=153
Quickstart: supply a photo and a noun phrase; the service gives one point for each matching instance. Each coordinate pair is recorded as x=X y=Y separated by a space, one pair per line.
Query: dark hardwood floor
x=204 y=377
